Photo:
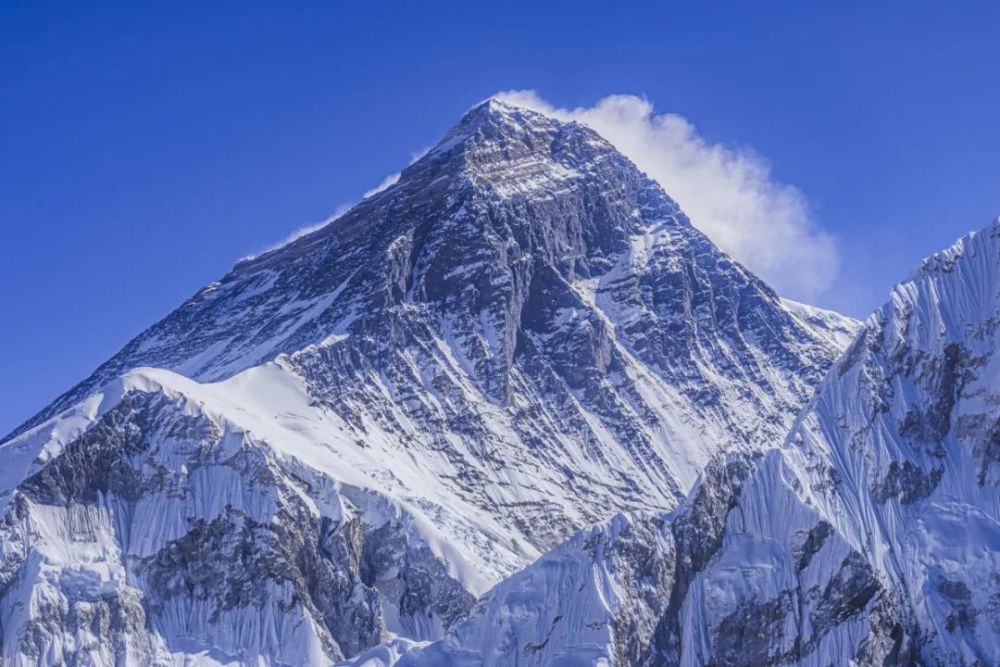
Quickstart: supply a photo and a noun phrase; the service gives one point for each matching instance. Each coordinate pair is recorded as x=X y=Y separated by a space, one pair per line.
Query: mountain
x=870 y=537
x=359 y=433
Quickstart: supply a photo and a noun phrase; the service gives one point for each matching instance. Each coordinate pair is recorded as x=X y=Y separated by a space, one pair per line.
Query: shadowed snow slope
x=871 y=537
x=360 y=432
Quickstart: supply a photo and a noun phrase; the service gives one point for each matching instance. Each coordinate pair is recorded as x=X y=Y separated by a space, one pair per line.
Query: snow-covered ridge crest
x=167 y=472
x=267 y=406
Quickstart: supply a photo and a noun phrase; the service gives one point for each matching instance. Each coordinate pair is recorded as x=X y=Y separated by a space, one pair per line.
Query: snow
x=351 y=391
x=932 y=559
x=839 y=329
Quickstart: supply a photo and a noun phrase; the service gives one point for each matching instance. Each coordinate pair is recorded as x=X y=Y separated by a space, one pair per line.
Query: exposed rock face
x=363 y=431
x=871 y=537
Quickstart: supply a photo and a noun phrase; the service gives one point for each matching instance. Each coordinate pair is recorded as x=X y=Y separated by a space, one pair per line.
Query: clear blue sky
x=144 y=147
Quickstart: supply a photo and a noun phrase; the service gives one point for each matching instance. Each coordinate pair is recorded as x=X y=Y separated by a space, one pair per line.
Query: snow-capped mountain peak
x=523 y=336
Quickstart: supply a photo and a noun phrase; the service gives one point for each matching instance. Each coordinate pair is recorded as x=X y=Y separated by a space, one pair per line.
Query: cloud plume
x=728 y=193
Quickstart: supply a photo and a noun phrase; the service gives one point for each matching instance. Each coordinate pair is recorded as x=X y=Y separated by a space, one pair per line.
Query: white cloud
x=302 y=231
x=728 y=193
x=392 y=179
x=387 y=182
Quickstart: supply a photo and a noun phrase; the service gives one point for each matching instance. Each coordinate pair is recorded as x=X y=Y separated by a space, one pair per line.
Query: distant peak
x=495 y=117
x=493 y=104
x=497 y=112
x=497 y=105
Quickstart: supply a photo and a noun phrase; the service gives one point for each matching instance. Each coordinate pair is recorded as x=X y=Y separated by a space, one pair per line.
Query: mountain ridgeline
x=869 y=537
x=516 y=410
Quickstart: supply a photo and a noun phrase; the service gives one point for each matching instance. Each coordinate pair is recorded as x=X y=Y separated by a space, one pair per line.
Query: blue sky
x=144 y=147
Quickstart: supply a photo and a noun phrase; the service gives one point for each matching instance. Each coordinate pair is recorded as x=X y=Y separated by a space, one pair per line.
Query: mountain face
x=870 y=537
x=360 y=433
